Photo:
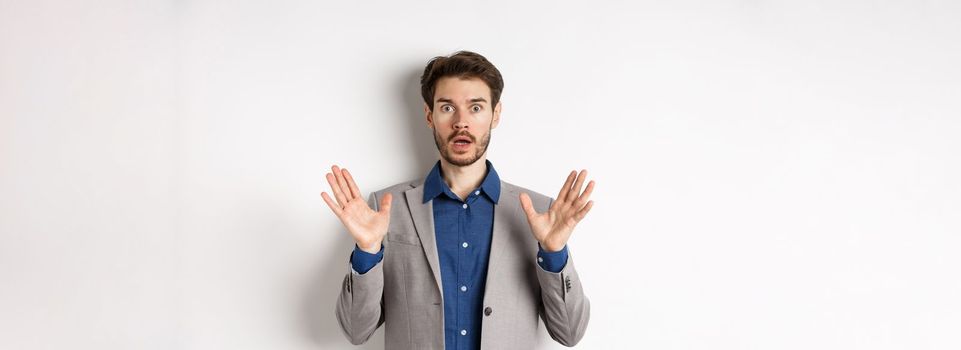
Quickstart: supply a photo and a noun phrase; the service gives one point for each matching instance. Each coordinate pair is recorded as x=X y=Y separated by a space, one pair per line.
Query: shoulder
x=399 y=188
x=512 y=192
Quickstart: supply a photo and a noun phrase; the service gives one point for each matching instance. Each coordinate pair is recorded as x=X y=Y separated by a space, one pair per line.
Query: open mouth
x=461 y=143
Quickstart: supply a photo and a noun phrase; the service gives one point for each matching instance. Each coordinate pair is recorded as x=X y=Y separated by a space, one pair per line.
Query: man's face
x=462 y=119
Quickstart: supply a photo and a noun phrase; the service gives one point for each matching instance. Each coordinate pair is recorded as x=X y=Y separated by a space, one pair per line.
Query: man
x=461 y=259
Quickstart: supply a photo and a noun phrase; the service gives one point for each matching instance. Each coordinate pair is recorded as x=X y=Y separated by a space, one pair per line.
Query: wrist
x=553 y=247
x=372 y=247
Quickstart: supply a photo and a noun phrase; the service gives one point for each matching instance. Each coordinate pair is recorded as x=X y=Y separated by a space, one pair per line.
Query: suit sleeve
x=566 y=309
x=360 y=307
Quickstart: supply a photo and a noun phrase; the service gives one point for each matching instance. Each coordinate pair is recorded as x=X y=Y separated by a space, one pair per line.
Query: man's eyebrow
x=478 y=99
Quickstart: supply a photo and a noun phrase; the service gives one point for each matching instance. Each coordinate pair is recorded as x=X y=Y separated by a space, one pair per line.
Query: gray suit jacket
x=403 y=291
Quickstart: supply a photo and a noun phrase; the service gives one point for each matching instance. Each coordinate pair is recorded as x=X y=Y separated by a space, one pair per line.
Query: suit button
x=487 y=311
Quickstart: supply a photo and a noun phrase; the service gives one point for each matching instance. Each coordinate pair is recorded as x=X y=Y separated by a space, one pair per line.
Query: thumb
x=385 y=202
x=527 y=206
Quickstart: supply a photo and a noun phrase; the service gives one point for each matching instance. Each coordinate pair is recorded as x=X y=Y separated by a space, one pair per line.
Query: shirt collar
x=434 y=184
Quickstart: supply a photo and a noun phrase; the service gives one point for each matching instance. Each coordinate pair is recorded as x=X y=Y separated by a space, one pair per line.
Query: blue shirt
x=463 y=231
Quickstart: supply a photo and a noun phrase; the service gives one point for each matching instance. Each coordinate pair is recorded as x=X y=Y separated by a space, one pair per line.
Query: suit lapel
x=423 y=216
x=500 y=239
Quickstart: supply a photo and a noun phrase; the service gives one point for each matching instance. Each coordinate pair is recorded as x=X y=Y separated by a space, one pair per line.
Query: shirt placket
x=463 y=268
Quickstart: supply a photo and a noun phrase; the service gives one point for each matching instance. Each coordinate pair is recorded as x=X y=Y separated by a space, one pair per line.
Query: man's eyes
x=450 y=108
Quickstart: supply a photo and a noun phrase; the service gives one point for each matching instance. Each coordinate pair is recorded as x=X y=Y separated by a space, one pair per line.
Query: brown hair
x=464 y=65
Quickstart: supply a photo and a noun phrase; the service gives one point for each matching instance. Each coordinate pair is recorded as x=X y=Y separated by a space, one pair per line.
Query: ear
x=428 y=116
x=497 y=115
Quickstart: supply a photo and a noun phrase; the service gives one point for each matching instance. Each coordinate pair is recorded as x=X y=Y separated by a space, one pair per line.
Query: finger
x=567 y=187
x=527 y=206
x=583 y=212
x=342 y=183
x=334 y=187
x=572 y=195
x=584 y=196
x=354 y=191
x=330 y=203
x=385 y=203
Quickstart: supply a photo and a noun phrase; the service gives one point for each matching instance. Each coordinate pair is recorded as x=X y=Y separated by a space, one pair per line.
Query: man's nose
x=460 y=121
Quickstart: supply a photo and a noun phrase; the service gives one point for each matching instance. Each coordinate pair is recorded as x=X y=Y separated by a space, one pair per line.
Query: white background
x=770 y=175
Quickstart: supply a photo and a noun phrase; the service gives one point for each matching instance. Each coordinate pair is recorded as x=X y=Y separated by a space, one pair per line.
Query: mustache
x=465 y=133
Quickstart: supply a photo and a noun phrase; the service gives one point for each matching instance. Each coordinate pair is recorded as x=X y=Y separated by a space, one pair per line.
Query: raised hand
x=553 y=228
x=368 y=227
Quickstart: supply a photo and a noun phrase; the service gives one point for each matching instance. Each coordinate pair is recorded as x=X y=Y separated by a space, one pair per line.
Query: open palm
x=368 y=227
x=554 y=227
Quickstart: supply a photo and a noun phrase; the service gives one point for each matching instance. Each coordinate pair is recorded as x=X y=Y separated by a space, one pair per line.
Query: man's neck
x=463 y=179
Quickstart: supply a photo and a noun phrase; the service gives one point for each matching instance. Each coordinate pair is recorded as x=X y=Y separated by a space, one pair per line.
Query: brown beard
x=444 y=148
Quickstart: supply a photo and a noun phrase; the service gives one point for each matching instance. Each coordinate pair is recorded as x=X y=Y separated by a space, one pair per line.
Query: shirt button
x=477 y=192
x=464 y=206
x=488 y=311
x=463 y=332
x=464 y=244
x=540 y=259
x=463 y=288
